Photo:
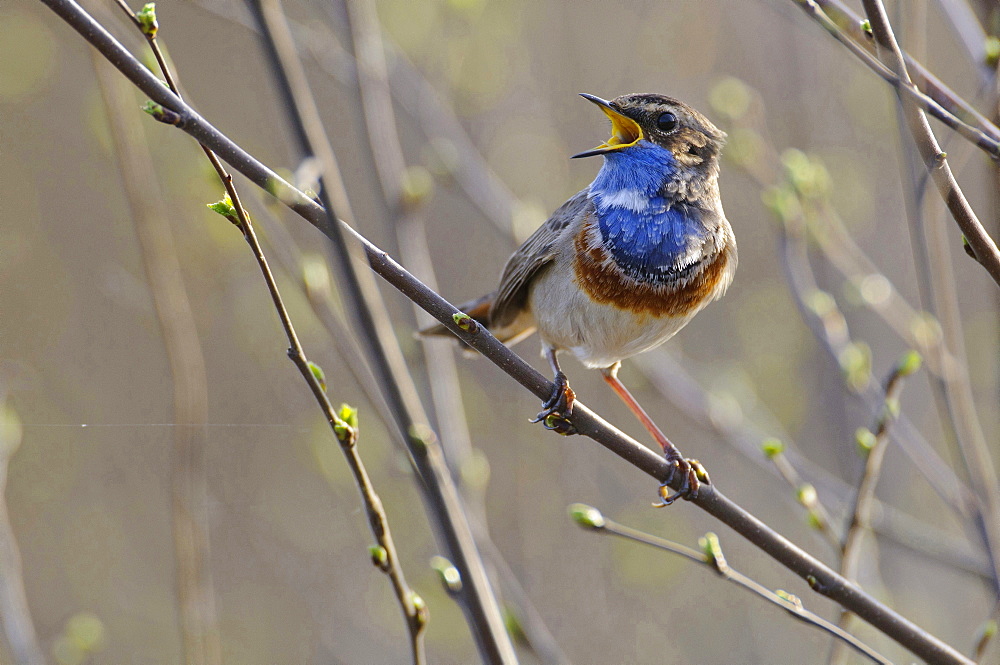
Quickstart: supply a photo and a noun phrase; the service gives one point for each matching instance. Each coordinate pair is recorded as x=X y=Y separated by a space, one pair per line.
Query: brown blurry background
x=84 y=371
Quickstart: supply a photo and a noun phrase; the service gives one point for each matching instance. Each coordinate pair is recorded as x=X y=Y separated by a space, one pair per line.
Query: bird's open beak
x=625 y=131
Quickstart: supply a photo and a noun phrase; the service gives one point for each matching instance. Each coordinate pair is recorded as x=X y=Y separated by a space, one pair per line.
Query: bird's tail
x=479 y=310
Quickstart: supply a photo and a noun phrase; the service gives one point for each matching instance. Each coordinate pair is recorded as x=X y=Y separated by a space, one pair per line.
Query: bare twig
x=940 y=102
x=675 y=382
x=983 y=247
x=196 y=596
x=404 y=208
x=951 y=389
x=711 y=555
x=875 y=440
x=476 y=595
x=821 y=578
x=986 y=638
x=384 y=556
x=805 y=492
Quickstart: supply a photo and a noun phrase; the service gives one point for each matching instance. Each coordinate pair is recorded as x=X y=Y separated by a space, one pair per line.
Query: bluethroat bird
x=627 y=262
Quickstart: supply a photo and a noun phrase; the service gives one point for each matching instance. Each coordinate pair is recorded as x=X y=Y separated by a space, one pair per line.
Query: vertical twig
x=476 y=594
x=876 y=440
x=384 y=556
x=806 y=493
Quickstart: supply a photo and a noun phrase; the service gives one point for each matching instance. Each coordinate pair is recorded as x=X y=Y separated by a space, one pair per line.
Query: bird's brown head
x=664 y=121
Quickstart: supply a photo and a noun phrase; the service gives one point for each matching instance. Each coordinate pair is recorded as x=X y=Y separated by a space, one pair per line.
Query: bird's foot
x=558 y=408
x=693 y=475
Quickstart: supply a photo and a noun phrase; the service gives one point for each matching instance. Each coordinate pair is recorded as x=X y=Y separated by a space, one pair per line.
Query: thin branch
x=938 y=293
x=405 y=219
x=673 y=380
x=821 y=578
x=861 y=512
x=712 y=557
x=385 y=557
x=987 y=636
x=941 y=103
x=983 y=247
x=876 y=440
x=477 y=598
x=805 y=493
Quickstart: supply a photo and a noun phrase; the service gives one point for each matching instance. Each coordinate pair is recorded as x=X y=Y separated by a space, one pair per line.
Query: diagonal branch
x=820 y=577
x=939 y=101
x=712 y=556
x=983 y=248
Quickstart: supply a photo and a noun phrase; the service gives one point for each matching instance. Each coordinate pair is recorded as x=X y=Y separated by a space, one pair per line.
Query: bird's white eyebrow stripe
x=631 y=199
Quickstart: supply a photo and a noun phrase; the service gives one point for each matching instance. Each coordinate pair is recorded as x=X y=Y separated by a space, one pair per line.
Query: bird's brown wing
x=530 y=258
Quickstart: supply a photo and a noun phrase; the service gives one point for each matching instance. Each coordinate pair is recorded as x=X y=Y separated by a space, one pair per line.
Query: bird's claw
x=558 y=408
x=694 y=475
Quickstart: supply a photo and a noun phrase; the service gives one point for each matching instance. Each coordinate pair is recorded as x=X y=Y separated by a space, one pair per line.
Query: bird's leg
x=693 y=472
x=557 y=409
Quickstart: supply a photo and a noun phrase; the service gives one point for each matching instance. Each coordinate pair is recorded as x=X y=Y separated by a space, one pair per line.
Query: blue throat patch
x=649 y=236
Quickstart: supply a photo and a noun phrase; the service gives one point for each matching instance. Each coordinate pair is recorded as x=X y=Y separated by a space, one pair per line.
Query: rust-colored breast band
x=602 y=279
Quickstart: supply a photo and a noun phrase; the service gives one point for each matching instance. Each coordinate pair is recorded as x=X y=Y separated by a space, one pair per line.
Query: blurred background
x=832 y=291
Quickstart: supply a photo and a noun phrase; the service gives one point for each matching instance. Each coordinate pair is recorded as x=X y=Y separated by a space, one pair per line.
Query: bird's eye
x=666 y=122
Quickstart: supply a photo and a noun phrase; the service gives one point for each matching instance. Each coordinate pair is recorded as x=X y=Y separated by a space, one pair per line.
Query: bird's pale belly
x=598 y=334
